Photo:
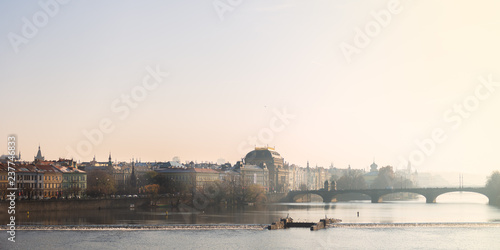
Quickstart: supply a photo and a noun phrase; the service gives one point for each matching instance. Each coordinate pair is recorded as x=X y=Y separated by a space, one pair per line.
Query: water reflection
x=462 y=197
x=349 y=212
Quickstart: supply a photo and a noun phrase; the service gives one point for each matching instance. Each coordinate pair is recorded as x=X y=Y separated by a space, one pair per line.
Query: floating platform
x=285 y=223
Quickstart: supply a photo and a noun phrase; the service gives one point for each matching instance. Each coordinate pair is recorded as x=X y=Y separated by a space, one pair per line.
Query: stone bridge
x=376 y=195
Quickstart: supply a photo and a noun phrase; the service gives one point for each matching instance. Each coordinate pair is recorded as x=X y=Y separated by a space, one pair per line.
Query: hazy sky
x=354 y=79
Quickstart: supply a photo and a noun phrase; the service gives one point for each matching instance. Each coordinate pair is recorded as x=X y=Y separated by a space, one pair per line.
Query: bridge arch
x=401 y=195
x=349 y=196
x=484 y=196
x=307 y=197
x=376 y=195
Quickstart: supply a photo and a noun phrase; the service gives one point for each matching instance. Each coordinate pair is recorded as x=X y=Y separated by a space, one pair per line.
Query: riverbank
x=68 y=205
x=106 y=203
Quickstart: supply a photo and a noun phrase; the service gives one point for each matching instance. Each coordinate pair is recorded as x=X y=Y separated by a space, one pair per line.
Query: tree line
x=386 y=178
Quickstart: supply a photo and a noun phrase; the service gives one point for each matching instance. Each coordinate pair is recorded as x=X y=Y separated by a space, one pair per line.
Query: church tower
x=133 y=179
x=39 y=156
x=110 y=164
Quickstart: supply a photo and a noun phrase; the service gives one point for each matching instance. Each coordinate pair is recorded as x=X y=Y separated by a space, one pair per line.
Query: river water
x=456 y=221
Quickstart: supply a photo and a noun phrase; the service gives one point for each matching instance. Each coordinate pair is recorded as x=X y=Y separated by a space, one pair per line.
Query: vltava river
x=457 y=221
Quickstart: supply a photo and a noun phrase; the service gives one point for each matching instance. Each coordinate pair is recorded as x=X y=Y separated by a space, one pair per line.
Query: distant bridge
x=376 y=195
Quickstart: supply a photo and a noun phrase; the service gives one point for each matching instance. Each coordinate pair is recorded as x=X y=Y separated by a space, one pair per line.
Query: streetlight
x=98 y=187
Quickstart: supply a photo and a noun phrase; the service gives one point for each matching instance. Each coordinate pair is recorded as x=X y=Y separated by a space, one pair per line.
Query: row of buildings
x=44 y=179
x=263 y=166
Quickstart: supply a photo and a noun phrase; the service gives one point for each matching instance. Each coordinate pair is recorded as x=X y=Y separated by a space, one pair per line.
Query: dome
x=265 y=155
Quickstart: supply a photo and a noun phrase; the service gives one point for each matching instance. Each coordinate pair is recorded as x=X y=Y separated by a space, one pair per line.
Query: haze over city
x=304 y=77
x=238 y=124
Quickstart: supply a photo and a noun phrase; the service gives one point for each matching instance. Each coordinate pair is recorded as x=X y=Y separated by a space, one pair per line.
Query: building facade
x=197 y=177
x=52 y=180
x=29 y=181
x=74 y=181
x=3 y=180
x=267 y=157
x=252 y=175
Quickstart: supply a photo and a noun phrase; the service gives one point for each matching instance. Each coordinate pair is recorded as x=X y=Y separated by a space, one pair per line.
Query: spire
x=133 y=179
x=110 y=163
x=39 y=156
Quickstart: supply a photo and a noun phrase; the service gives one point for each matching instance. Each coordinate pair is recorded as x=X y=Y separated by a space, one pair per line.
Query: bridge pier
x=327 y=198
x=492 y=200
x=376 y=199
x=430 y=198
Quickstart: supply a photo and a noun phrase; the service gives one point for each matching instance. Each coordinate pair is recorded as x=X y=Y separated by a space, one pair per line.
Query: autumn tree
x=100 y=183
x=385 y=178
x=152 y=189
x=254 y=193
x=493 y=182
x=351 y=181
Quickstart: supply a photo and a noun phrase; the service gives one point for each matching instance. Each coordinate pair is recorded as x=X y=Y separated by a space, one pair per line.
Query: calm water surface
x=457 y=221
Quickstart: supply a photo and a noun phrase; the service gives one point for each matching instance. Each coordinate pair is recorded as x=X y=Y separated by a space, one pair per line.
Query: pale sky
x=231 y=69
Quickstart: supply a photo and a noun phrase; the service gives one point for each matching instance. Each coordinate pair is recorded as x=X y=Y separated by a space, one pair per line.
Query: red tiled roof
x=47 y=168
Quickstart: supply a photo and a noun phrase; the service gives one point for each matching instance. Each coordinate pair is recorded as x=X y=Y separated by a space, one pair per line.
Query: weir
x=287 y=222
